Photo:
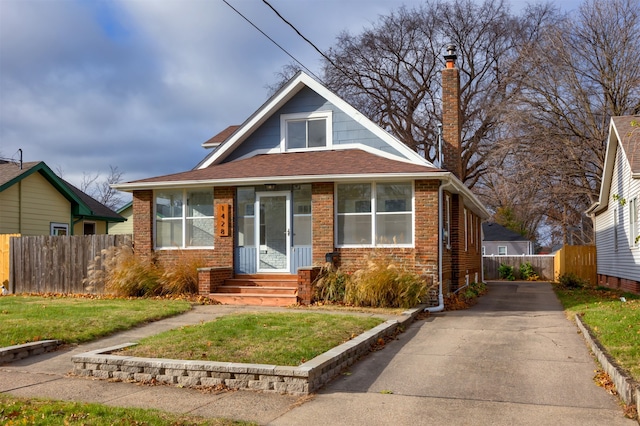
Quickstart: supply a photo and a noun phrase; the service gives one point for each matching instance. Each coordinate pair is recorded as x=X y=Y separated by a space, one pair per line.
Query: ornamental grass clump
x=385 y=282
x=182 y=276
x=129 y=275
x=119 y=271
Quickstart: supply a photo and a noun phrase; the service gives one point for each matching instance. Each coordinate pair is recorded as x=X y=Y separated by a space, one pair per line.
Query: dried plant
x=182 y=276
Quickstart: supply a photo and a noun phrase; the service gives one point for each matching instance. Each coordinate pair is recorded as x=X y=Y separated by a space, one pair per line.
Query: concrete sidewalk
x=512 y=359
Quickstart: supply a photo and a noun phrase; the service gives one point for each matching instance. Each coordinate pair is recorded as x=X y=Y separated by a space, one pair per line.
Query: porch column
x=322 y=218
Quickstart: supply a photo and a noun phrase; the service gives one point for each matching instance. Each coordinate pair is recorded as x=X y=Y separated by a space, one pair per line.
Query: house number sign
x=222 y=220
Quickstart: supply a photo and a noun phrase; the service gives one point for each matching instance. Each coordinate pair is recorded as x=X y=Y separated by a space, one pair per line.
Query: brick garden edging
x=16 y=352
x=627 y=388
x=300 y=380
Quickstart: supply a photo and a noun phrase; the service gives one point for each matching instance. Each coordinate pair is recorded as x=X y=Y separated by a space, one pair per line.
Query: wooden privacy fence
x=56 y=264
x=542 y=265
x=4 y=258
x=579 y=260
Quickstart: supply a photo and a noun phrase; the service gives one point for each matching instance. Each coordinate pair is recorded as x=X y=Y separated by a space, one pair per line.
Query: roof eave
x=128 y=187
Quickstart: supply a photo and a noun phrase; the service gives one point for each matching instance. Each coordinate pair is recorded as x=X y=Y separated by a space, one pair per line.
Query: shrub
x=506 y=272
x=182 y=277
x=527 y=272
x=330 y=284
x=385 y=282
x=571 y=280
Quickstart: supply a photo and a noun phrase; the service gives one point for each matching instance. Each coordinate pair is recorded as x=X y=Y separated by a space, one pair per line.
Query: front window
x=375 y=214
x=246 y=217
x=184 y=218
x=306 y=131
x=502 y=250
x=302 y=229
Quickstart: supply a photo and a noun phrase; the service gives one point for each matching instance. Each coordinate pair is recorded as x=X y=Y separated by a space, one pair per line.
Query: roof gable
x=388 y=146
x=81 y=203
x=624 y=134
x=497 y=232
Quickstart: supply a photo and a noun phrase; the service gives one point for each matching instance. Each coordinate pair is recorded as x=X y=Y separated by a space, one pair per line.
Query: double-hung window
x=370 y=214
x=184 y=218
x=306 y=131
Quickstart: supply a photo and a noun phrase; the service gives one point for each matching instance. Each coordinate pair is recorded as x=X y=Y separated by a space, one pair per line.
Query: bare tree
x=391 y=72
x=100 y=189
x=581 y=71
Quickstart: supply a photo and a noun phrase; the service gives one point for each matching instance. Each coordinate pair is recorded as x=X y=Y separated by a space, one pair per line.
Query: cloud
x=141 y=84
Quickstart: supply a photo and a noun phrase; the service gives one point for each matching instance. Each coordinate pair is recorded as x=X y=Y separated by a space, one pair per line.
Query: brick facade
x=322 y=227
x=618 y=283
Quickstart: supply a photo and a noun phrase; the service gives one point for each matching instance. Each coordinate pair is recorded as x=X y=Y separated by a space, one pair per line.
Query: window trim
x=373 y=213
x=184 y=218
x=505 y=251
x=315 y=115
x=446 y=226
x=633 y=222
x=53 y=226
x=466 y=230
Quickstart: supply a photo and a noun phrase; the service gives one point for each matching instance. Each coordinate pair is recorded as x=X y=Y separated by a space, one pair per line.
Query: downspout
x=440 y=306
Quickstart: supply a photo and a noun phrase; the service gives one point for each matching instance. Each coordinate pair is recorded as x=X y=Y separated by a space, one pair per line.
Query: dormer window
x=306 y=131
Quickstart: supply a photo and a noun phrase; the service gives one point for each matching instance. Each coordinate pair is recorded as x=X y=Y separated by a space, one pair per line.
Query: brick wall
x=143 y=219
x=221 y=256
x=618 y=283
x=322 y=226
x=451 y=121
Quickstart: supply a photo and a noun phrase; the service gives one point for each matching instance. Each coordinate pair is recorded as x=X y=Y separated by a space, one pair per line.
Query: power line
x=270 y=39
x=308 y=41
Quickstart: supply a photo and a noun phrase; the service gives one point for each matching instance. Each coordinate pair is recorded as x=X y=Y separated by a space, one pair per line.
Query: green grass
x=262 y=338
x=26 y=319
x=616 y=324
x=20 y=411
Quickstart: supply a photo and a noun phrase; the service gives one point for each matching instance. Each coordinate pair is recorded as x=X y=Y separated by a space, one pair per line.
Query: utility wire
x=309 y=41
x=272 y=40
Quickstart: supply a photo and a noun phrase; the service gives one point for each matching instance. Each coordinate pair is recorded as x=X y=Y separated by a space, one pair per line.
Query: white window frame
x=54 y=227
x=633 y=222
x=305 y=116
x=446 y=226
x=505 y=250
x=374 y=214
x=184 y=218
x=466 y=230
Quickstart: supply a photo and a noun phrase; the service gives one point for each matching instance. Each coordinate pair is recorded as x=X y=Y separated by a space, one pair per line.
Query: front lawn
x=21 y=411
x=615 y=323
x=262 y=338
x=77 y=319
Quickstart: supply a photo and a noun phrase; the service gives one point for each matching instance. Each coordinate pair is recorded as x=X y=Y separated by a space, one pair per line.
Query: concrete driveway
x=513 y=359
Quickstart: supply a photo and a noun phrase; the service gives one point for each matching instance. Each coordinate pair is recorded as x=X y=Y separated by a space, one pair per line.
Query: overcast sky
x=140 y=84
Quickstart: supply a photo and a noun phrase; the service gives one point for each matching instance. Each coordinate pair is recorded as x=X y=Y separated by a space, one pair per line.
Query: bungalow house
x=615 y=214
x=500 y=241
x=305 y=179
x=35 y=201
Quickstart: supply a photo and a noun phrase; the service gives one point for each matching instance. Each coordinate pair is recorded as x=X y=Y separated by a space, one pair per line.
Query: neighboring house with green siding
x=35 y=201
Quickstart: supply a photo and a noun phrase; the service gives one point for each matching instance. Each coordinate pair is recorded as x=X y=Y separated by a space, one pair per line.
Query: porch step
x=258 y=289
x=254 y=299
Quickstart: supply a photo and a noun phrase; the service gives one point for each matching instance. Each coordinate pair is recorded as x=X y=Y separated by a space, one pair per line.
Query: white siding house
x=615 y=214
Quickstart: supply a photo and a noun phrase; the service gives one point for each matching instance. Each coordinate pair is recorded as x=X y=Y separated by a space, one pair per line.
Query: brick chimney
x=451 y=117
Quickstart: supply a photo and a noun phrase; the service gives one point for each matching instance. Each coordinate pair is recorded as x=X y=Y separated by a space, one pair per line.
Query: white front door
x=273 y=231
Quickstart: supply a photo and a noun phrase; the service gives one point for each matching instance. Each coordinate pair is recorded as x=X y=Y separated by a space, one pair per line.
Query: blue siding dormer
x=345 y=129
